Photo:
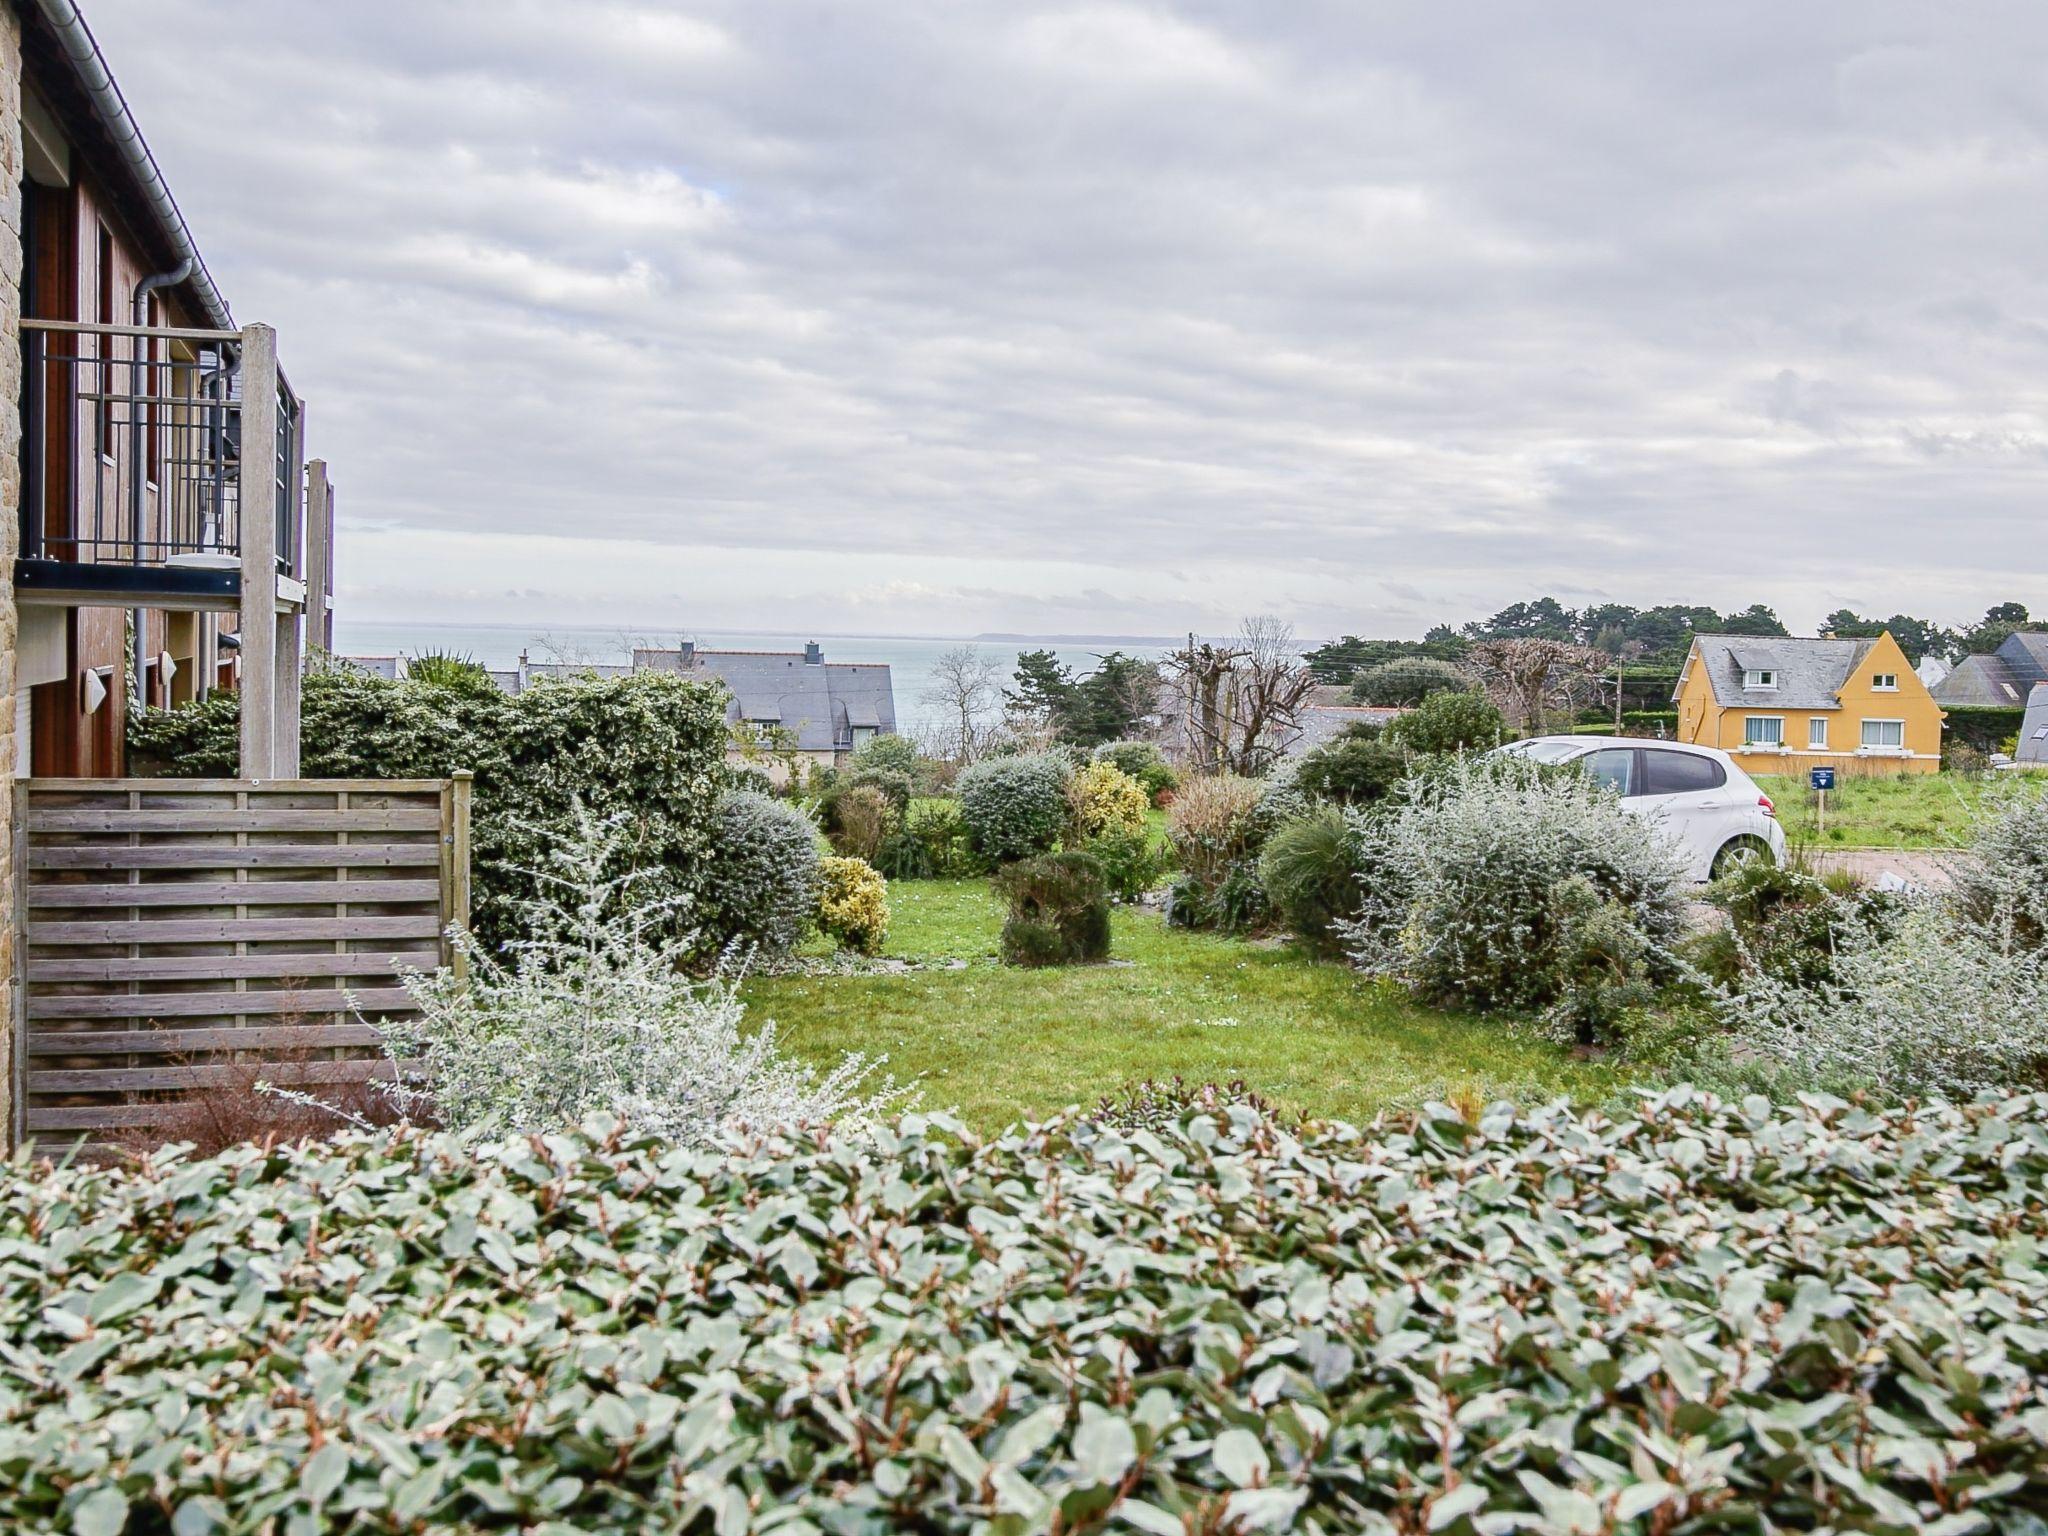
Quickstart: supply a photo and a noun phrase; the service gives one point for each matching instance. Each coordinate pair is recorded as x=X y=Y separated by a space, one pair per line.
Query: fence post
x=458 y=859
x=256 y=508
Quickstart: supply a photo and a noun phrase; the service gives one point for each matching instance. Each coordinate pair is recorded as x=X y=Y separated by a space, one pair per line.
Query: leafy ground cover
x=1697 y=1317
x=1918 y=810
x=998 y=1043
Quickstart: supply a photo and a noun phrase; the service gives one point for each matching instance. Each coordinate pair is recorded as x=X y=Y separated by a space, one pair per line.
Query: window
x=1763 y=731
x=1760 y=677
x=1817 y=733
x=1680 y=773
x=1884 y=735
x=1885 y=682
x=1613 y=768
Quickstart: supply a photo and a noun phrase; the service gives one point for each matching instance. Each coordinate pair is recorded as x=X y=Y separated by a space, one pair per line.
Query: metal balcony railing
x=132 y=447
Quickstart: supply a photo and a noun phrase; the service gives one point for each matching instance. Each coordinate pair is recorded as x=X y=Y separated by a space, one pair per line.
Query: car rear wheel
x=1737 y=852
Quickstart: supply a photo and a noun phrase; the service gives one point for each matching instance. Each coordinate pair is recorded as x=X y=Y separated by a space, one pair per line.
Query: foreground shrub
x=931 y=844
x=1014 y=807
x=1059 y=910
x=1695 y=1316
x=853 y=905
x=1448 y=722
x=1215 y=829
x=2003 y=878
x=1132 y=863
x=1786 y=924
x=1474 y=904
x=1311 y=872
x=1143 y=761
x=595 y=1013
x=760 y=885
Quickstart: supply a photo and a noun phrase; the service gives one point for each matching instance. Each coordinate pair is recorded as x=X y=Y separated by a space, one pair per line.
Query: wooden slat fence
x=176 y=935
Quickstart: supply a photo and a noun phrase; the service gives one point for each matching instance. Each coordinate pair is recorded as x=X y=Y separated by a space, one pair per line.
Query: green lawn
x=1920 y=810
x=998 y=1043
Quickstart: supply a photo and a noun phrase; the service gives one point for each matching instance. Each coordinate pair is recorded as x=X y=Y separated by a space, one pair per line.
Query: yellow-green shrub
x=853 y=904
x=1104 y=798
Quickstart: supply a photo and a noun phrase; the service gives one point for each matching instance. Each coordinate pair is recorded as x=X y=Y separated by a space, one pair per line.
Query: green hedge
x=1985 y=727
x=649 y=746
x=1698 y=1317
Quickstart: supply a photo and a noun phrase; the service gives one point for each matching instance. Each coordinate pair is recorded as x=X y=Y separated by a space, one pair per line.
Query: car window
x=1614 y=767
x=1544 y=751
x=1680 y=773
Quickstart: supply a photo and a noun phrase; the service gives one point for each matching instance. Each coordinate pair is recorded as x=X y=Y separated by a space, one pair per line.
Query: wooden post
x=258 y=514
x=319 y=554
x=458 y=859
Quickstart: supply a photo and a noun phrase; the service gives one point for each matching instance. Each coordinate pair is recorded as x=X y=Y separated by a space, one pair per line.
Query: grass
x=998 y=1044
x=1919 y=810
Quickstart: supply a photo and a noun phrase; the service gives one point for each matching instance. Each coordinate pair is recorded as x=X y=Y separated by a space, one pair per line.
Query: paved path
x=1917 y=866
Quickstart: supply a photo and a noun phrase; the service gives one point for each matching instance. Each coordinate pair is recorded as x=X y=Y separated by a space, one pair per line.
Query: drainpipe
x=82 y=53
x=140 y=380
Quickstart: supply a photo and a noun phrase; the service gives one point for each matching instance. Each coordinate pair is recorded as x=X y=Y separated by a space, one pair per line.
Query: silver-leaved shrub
x=759 y=888
x=1693 y=1316
x=596 y=1013
x=1949 y=996
x=1484 y=876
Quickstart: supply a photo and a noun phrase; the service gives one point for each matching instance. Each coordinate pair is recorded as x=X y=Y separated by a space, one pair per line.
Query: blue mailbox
x=1823 y=778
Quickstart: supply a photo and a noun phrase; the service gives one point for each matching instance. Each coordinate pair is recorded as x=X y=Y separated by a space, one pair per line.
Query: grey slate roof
x=1320 y=723
x=1810 y=672
x=1980 y=681
x=2026 y=656
x=2034 y=730
x=821 y=701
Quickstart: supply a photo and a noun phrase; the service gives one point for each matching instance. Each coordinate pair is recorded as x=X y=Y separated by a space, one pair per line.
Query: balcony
x=134 y=467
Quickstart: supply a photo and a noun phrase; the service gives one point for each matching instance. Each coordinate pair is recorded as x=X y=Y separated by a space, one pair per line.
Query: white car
x=1715 y=811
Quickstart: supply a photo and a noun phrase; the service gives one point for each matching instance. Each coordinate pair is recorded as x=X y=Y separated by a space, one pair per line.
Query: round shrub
x=890 y=753
x=1014 y=807
x=1468 y=903
x=1353 y=770
x=1104 y=798
x=853 y=904
x=1059 y=910
x=761 y=883
x=1310 y=871
x=1448 y=722
x=1131 y=862
x=1143 y=761
x=1408 y=680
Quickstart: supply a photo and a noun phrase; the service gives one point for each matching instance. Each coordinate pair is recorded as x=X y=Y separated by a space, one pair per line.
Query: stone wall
x=10 y=523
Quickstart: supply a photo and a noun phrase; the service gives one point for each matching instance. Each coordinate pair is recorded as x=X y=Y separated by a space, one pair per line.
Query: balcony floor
x=72 y=584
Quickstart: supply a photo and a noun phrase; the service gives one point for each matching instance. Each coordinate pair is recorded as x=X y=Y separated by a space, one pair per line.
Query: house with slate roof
x=2033 y=747
x=1785 y=705
x=2001 y=680
x=823 y=709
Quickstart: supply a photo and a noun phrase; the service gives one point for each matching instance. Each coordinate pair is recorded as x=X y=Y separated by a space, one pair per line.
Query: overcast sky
x=1132 y=318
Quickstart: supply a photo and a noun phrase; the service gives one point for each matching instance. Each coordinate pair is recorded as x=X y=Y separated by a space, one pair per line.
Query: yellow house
x=1784 y=705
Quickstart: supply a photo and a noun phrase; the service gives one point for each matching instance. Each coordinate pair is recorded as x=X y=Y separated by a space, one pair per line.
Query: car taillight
x=1763 y=803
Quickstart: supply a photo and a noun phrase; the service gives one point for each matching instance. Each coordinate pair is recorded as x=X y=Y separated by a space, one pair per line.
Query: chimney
x=814 y=654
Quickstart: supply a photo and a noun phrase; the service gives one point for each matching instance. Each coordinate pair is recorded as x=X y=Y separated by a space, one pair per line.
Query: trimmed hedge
x=1696 y=1316
x=1984 y=727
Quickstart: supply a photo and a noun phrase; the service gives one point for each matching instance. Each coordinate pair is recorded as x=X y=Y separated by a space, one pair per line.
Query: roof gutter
x=83 y=54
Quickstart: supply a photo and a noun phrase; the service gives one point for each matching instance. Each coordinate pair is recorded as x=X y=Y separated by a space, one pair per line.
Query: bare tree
x=1240 y=701
x=1529 y=678
x=966 y=690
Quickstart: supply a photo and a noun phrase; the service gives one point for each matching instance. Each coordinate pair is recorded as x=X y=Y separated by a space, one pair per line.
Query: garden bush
x=853 y=905
x=931 y=844
x=1352 y=770
x=887 y=753
x=1448 y=722
x=864 y=819
x=594 y=1012
x=650 y=746
x=1311 y=872
x=1014 y=807
x=1059 y=910
x=1785 y=923
x=1143 y=761
x=760 y=885
x=1216 y=828
x=2003 y=877
x=1469 y=903
x=1132 y=863
x=1408 y=680
x=1686 y=1316
x=1101 y=797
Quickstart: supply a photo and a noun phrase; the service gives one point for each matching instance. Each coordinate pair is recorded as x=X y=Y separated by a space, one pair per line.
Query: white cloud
x=1135 y=316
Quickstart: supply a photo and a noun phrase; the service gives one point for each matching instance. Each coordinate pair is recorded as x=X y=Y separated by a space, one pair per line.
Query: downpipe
x=140 y=377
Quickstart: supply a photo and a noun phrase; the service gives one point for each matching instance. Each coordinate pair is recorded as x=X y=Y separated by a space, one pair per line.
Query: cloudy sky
x=1134 y=317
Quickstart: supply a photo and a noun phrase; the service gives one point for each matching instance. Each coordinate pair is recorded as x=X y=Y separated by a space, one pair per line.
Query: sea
x=911 y=658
